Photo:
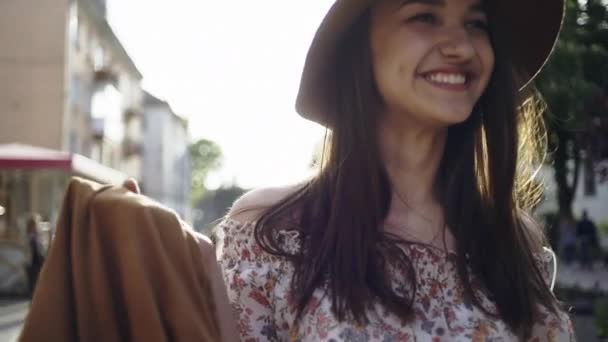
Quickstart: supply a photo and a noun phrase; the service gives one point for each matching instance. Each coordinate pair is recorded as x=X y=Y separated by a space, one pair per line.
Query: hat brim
x=531 y=28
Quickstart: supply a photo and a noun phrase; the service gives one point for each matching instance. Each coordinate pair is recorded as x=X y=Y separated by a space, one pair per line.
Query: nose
x=456 y=45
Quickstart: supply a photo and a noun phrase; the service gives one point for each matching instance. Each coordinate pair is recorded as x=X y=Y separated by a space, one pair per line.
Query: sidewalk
x=573 y=275
x=12 y=316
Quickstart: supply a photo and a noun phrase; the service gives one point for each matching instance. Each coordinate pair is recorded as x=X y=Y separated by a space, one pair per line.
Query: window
x=106 y=105
x=73 y=25
x=98 y=58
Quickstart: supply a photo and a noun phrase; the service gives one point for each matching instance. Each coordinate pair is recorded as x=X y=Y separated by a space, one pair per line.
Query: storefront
x=32 y=184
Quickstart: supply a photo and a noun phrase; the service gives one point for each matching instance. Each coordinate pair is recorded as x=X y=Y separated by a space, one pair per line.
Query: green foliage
x=603 y=228
x=601 y=316
x=574 y=84
x=577 y=72
x=214 y=205
x=205 y=156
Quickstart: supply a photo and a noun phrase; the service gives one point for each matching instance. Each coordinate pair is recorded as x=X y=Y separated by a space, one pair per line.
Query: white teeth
x=447 y=78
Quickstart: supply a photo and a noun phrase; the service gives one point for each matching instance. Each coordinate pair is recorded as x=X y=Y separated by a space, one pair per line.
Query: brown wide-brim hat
x=531 y=28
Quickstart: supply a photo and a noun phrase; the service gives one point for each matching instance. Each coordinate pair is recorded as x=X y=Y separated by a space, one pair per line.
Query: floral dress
x=258 y=287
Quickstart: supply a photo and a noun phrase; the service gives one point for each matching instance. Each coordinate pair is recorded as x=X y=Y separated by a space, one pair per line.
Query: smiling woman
x=415 y=227
x=432 y=60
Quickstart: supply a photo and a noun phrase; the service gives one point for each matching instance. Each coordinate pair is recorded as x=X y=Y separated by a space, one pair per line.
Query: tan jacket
x=123 y=268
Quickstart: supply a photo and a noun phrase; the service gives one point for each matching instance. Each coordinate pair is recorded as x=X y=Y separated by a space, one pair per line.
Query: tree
x=214 y=205
x=205 y=156
x=574 y=84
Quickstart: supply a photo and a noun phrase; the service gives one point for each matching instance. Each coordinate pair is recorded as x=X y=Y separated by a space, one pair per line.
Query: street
x=12 y=316
x=574 y=275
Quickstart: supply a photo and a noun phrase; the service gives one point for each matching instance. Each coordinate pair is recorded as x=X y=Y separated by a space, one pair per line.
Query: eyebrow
x=476 y=7
x=427 y=2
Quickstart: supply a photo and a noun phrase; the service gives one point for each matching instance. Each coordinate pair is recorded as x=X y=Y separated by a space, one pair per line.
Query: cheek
x=386 y=69
x=490 y=61
x=486 y=54
x=396 y=67
x=394 y=58
x=391 y=78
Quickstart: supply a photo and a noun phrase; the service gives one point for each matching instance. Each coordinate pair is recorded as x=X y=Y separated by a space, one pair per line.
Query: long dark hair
x=340 y=212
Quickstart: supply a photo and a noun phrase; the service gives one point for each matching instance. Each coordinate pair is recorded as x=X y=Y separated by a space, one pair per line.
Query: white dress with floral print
x=259 y=289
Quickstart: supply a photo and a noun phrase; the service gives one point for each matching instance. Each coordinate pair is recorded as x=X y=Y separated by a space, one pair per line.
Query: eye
x=429 y=18
x=478 y=25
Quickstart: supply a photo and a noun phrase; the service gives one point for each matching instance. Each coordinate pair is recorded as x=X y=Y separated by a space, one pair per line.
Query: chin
x=448 y=119
x=456 y=119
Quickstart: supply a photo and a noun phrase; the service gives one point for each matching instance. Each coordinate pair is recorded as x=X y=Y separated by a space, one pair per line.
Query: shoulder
x=252 y=204
x=234 y=236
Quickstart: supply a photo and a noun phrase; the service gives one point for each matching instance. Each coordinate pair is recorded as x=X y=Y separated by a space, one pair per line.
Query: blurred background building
x=166 y=174
x=590 y=195
x=73 y=87
x=72 y=104
x=104 y=103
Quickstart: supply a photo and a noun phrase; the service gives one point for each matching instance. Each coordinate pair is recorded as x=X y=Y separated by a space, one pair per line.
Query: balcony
x=105 y=75
x=98 y=128
x=131 y=148
x=131 y=114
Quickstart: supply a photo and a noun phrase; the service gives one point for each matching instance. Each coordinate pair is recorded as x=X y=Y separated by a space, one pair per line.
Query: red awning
x=18 y=156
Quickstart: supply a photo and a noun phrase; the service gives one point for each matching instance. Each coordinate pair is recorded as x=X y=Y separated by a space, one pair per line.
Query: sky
x=232 y=68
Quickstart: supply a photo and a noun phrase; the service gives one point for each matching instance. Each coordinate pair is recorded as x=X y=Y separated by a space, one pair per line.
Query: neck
x=412 y=157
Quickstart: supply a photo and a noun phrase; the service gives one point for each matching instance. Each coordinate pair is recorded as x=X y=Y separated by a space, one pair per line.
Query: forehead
x=471 y=5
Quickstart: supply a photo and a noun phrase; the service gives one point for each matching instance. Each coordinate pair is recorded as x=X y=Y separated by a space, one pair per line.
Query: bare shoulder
x=253 y=203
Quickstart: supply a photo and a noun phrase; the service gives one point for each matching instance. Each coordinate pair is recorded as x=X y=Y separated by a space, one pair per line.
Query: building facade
x=166 y=175
x=72 y=85
x=70 y=105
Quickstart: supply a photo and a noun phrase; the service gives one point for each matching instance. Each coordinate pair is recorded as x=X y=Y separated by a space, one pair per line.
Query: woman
x=415 y=226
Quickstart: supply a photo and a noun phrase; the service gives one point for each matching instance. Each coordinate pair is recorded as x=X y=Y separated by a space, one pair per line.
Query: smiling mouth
x=457 y=81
